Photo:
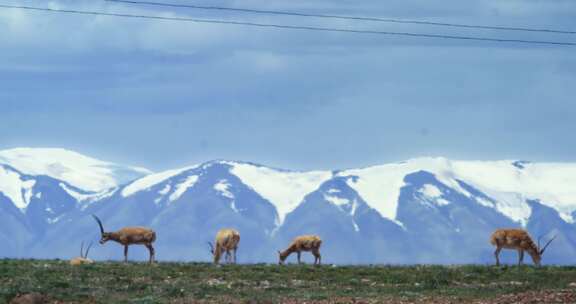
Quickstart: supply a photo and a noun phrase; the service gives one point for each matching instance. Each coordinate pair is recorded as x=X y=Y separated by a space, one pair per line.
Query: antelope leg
x=496 y=254
x=152 y=254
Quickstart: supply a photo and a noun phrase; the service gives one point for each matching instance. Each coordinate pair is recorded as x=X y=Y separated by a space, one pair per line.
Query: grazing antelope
x=520 y=240
x=303 y=243
x=226 y=240
x=83 y=258
x=129 y=236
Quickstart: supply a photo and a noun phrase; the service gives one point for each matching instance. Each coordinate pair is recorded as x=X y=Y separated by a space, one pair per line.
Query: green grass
x=112 y=282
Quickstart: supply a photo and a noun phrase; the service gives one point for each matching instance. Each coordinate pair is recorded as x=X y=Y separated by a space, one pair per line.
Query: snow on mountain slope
x=223 y=187
x=182 y=187
x=24 y=190
x=551 y=183
x=380 y=186
x=76 y=169
x=151 y=180
x=434 y=195
x=436 y=201
x=86 y=199
x=15 y=188
x=510 y=184
x=507 y=185
x=284 y=189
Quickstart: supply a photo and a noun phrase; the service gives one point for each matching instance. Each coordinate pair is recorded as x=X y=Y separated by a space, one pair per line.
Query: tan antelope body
x=310 y=243
x=520 y=240
x=129 y=236
x=83 y=258
x=226 y=241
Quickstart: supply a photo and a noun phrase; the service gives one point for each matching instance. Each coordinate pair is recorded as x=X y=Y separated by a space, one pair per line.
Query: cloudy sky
x=164 y=94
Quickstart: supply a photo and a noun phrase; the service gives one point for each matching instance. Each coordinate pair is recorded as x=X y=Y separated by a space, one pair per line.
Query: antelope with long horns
x=226 y=241
x=520 y=240
x=83 y=258
x=310 y=243
x=129 y=236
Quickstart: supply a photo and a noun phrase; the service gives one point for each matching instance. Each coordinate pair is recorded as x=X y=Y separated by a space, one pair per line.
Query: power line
x=282 y=26
x=390 y=20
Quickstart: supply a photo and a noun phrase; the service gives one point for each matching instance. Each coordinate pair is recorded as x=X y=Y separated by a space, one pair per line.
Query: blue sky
x=166 y=94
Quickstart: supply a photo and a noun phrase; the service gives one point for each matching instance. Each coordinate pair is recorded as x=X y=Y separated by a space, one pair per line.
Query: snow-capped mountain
x=508 y=184
x=425 y=210
x=73 y=168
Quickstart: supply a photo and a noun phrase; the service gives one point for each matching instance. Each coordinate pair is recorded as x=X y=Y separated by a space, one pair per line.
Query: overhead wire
x=345 y=17
x=284 y=26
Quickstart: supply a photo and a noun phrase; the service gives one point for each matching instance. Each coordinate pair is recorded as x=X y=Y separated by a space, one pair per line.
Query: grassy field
x=203 y=283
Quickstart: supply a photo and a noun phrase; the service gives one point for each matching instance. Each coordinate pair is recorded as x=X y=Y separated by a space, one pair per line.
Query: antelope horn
x=99 y=223
x=550 y=241
x=82 y=249
x=88 y=250
x=539 y=240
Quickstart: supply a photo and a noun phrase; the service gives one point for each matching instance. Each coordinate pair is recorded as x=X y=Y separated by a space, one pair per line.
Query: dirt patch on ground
x=531 y=297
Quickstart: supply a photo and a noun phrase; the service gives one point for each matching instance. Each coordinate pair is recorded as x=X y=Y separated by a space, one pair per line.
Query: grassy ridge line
x=112 y=282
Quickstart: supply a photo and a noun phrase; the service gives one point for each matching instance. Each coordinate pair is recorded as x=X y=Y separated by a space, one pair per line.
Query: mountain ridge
x=76 y=169
x=449 y=206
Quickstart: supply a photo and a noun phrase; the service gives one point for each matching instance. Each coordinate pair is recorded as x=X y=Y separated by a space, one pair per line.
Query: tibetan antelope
x=83 y=258
x=303 y=243
x=129 y=236
x=226 y=240
x=521 y=241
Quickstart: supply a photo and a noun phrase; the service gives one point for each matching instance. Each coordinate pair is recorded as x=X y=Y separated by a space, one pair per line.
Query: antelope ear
x=279 y=252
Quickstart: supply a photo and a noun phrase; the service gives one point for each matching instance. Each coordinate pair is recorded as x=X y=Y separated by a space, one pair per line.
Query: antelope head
x=105 y=236
x=83 y=258
x=281 y=257
x=537 y=256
